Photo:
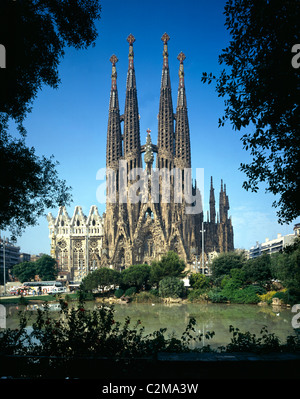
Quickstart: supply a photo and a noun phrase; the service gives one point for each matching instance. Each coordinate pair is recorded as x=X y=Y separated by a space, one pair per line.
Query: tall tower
x=165 y=141
x=182 y=131
x=114 y=134
x=113 y=156
x=132 y=144
x=212 y=203
x=157 y=219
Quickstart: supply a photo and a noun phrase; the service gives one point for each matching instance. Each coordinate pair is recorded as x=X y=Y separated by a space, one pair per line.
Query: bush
x=130 y=291
x=119 y=292
x=146 y=297
x=198 y=281
x=215 y=295
x=248 y=295
x=171 y=287
x=267 y=297
x=282 y=295
x=197 y=295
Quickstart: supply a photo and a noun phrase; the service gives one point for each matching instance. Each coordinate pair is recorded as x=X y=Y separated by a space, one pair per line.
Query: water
x=209 y=317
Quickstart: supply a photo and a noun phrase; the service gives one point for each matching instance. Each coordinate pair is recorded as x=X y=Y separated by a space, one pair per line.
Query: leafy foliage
x=59 y=347
x=170 y=265
x=171 y=287
x=101 y=278
x=222 y=264
x=45 y=267
x=261 y=90
x=28 y=185
x=198 y=281
x=135 y=276
x=35 y=34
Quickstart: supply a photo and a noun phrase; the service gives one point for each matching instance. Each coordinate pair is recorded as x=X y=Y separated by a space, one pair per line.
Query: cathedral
x=152 y=203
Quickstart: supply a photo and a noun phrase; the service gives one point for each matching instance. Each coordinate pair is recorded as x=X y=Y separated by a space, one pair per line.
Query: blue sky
x=71 y=122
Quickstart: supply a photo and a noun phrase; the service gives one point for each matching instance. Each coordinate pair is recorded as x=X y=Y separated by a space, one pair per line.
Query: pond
x=209 y=317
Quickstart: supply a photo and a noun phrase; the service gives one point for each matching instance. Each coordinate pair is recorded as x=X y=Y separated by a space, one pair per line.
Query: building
x=297 y=229
x=149 y=210
x=143 y=230
x=24 y=257
x=76 y=242
x=9 y=255
x=271 y=246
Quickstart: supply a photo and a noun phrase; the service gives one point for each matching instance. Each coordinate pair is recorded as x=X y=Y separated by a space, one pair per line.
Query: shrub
x=171 y=287
x=198 y=281
x=119 y=292
x=267 y=297
x=282 y=295
x=215 y=295
x=248 y=295
x=130 y=291
x=146 y=297
x=197 y=295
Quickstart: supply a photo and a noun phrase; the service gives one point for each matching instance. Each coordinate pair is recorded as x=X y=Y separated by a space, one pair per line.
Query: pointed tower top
x=131 y=75
x=113 y=59
x=165 y=38
x=131 y=39
x=211 y=181
x=181 y=57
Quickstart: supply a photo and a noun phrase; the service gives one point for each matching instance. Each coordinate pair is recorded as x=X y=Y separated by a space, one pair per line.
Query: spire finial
x=181 y=57
x=165 y=38
x=131 y=39
x=113 y=59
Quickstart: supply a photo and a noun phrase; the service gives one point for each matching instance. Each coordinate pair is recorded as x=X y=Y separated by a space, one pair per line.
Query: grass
x=34 y=298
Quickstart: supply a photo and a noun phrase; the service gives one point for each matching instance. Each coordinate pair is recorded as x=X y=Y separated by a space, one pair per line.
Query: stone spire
x=132 y=144
x=165 y=141
x=182 y=131
x=223 y=204
x=148 y=157
x=212 y=202
x=114 y=135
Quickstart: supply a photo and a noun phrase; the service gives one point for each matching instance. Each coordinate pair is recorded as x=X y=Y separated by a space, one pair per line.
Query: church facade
x=152 y=206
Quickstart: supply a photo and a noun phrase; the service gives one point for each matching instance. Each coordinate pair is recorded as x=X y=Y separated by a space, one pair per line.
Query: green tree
x=28 y=185
x=261 y=91
x=24 y=271
x=258 y=270
x=169 y=265
x=35 y=34
x=222 y=264
x=198 y=281
x=101 y=278
x=171 y=287
x=46 y=268
x=285 y=267
x=135 y=276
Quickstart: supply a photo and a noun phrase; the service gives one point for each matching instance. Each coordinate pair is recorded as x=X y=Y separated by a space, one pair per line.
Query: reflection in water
x=209 y=317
